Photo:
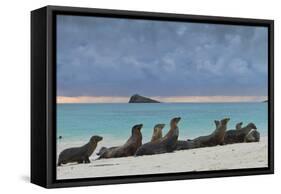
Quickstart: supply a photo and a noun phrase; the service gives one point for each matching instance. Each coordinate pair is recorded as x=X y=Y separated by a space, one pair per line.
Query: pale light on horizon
x=169 y=99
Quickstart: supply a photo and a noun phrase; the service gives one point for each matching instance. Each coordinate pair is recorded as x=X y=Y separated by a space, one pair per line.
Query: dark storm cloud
x=119 y=57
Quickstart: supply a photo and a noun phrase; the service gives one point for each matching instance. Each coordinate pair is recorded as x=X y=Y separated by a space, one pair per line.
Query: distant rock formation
x=141 y=99
x=265 y=101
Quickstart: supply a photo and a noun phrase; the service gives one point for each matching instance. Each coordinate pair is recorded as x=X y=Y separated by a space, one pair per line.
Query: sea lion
x=79 y=154
x=239 y=125
x=239 y=135
x=128 y=149
x=163 y=145
x=191 y=144
x=214 y=139
x=157 y=132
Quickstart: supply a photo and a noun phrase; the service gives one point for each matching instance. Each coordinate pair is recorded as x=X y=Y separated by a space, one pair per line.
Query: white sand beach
x=234 y=156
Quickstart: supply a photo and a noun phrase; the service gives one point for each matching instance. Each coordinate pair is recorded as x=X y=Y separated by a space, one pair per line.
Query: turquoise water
x=80 y=121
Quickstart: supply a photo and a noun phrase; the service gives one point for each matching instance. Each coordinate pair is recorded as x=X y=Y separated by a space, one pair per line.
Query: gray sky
x=120 y=57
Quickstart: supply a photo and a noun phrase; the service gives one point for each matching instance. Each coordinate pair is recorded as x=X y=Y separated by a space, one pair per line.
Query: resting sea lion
x=215 y=138
x=157 y=132
x=79 y=154
x=128 y=149
x=238 y=135
x=239 y=125
x=190 y=144
x=163 y=145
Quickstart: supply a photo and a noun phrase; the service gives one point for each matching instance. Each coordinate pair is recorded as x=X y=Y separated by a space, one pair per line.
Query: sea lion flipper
x=87 y=160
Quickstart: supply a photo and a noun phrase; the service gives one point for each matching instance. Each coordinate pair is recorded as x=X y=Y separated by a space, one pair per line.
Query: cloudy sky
x=106 y=58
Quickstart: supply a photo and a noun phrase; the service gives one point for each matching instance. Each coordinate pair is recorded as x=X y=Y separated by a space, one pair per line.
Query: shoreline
x=226 y=157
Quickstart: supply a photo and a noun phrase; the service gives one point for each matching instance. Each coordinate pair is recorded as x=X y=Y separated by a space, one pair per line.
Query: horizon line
x=166 y=99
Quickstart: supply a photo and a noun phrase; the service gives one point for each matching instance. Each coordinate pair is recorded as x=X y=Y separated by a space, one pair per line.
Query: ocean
x=78 y=122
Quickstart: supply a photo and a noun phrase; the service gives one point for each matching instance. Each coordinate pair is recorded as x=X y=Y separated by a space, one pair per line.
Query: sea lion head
x=102 y=150
x=175 y=121
x=251 y=126
x=224 y=121
x=158 y=127
x=95 y=139
x=137 y=128
x=239 y=125
x=217 y=123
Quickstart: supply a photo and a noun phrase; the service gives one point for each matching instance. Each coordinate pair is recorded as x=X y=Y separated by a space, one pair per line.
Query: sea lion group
x=248 y=133
x=215 y=138
x=159 y=144
x=165 y=144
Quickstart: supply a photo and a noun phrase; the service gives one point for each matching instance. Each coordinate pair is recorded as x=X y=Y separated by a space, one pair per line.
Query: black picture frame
x=43 y=96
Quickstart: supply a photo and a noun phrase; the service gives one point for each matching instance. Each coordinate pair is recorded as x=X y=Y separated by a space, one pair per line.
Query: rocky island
x=141 y=99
